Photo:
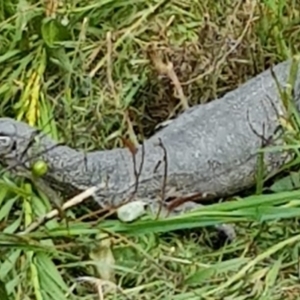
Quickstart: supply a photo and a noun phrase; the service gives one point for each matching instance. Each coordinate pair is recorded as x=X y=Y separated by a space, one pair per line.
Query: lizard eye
x=6 y=145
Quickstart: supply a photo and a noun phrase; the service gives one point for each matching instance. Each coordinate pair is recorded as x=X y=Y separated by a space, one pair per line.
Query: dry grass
x=120 y=68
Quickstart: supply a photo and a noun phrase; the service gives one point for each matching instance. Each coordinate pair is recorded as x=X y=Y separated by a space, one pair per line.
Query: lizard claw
x=228 y=231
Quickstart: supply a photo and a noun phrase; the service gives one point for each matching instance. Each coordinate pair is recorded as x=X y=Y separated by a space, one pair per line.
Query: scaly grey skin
x=210 y=148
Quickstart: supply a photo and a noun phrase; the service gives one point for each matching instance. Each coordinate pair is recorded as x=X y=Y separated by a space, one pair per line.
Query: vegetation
x=88 y=72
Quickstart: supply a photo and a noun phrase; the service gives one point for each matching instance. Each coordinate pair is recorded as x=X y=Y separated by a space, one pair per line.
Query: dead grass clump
x=224 y=51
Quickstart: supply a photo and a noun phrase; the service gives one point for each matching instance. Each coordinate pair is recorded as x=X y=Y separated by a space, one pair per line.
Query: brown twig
x=165 y=176
x=167 y=69
x=194 y=197
x=264 y=140
x=137 y=174
x=109 y=67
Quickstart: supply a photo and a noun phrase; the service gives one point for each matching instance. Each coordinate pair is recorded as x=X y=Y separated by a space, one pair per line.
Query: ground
x=92 y=71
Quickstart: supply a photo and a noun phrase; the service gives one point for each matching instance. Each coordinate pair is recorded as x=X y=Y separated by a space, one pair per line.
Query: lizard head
x=14 y=138
x=8 y=135
x=14 y=135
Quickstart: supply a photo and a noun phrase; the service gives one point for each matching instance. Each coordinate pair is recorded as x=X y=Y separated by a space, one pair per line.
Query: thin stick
x=78 y=199
x=164 y=183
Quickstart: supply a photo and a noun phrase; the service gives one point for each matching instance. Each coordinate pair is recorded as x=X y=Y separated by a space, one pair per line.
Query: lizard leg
x=226 y=229
x=50 y=193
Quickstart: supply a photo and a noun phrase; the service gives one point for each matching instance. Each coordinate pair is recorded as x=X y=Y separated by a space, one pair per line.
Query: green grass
x=102 y=75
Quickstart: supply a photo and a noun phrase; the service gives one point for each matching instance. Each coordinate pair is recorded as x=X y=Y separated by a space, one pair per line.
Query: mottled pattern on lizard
x=211 y=148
